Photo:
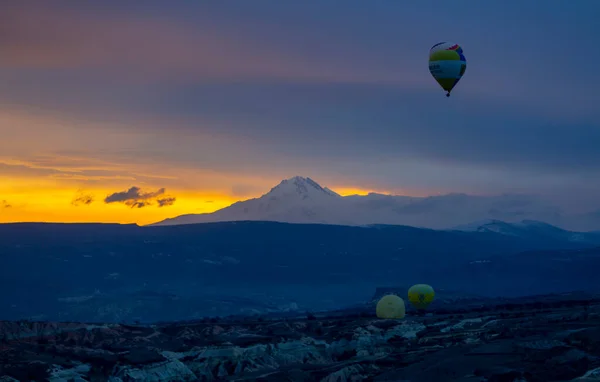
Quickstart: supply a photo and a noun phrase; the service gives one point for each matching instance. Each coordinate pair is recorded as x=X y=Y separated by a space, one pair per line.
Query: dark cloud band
x=136 y=198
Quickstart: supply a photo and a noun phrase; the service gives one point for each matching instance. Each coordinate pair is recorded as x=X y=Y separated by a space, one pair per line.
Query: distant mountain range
x=302 y=200
x=531 y=229
x=110 y=272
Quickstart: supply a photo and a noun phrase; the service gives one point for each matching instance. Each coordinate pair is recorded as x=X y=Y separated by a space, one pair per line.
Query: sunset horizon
x=197 y=106
x=134 y=204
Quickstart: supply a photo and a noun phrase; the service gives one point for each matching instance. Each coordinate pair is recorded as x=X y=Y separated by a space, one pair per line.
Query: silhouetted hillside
x=194 y=270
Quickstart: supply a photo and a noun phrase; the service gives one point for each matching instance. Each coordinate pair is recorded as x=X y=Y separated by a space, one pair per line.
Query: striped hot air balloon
x=447 y=64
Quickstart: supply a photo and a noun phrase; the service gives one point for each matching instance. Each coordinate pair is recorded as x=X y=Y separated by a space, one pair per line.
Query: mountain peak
x=300 y=185
x=302 y=200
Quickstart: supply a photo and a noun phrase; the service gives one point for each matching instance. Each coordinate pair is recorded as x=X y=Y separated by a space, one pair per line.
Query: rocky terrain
x=551 y=338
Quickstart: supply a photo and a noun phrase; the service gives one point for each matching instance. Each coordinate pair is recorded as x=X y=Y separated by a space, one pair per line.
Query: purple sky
x=336 y=90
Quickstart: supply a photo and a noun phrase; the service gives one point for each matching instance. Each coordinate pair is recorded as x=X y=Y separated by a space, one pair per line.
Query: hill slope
x=103 y=272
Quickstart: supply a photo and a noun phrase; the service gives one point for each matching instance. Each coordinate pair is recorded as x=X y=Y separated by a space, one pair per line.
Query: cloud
x=85 y=167
x=57 y=166
x=135 y=198
x=134 y=193
x=145 y=47
x=4 y=204
x=58 y=161
x=166 y=201
x=299 y=43
x=82 y=199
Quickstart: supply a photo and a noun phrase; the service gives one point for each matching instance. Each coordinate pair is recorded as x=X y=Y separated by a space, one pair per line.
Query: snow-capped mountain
x=294 y=200
x=302 y=200
x=513 y=229
x=531 y=229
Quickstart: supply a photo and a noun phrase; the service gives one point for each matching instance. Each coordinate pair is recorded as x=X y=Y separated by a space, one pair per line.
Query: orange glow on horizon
x=34 y=200
x=51 y=199
x=40 y=179
x=351 y=191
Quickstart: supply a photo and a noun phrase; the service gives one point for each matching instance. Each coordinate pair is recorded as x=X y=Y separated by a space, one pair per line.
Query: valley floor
x=526 y=341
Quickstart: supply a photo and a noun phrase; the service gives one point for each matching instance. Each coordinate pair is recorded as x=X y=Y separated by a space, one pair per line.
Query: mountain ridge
x=302 y=200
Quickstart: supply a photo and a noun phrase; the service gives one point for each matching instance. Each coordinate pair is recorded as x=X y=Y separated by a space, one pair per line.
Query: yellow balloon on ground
x=421 y=295
x=447 y=64
x=390 y=306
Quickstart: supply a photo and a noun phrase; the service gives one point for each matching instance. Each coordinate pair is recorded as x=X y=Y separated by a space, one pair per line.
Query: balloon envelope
x=447 y=64
x=421 y=295
x=390 y=306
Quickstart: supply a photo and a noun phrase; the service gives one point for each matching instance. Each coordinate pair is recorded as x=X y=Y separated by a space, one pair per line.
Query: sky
x=132 y=112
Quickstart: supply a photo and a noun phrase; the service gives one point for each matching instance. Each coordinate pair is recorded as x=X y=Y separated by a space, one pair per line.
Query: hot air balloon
x=390 y=306
x=447 y=64
x=421 y=295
